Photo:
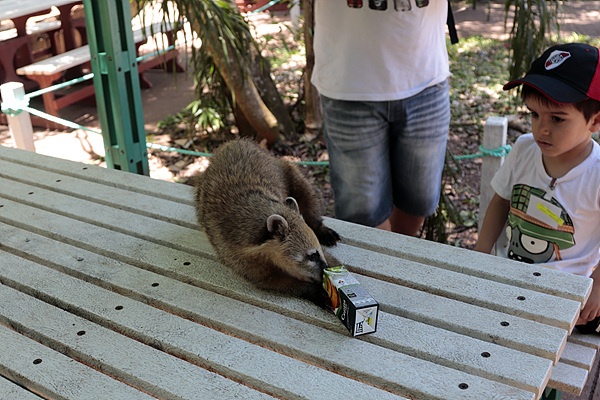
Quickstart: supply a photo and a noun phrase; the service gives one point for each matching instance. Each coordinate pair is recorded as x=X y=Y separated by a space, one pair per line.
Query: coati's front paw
x=327 y=236
x=318 y=295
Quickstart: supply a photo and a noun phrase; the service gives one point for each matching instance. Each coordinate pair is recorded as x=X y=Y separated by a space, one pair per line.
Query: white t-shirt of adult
x=556 y=224
x=370 y=55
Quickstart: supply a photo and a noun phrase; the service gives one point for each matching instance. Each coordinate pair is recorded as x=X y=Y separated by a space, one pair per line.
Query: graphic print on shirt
x=538 y=228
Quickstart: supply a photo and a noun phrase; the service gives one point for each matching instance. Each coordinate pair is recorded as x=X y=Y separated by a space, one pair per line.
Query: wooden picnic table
x=16 y=51
x=109 y=289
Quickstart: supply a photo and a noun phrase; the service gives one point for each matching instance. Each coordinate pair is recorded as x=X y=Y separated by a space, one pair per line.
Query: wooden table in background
x=108 y=289
x=16 y=52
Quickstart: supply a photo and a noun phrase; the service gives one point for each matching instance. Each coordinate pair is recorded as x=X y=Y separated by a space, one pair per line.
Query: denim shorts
x=387 y=153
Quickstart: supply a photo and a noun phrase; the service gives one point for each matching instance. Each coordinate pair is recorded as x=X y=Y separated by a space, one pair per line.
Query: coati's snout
x=316 y=264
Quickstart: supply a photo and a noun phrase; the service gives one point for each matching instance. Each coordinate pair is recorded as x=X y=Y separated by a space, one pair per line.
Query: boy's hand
x=592 y=307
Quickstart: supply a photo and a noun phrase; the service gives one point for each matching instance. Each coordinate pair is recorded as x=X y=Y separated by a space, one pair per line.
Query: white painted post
x=19 y=126
x=494 y=136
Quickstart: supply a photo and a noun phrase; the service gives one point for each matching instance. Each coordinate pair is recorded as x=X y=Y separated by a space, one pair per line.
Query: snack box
x=350 y=301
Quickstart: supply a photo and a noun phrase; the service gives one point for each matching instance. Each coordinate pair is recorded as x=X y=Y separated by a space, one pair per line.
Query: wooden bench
x=46 y=72
x=572 y=370
x=32 y=29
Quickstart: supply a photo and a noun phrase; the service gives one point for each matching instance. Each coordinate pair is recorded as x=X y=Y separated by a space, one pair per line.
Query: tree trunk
x=253 y=92
x=261 y=72
x=244 y=92
x=313 y=118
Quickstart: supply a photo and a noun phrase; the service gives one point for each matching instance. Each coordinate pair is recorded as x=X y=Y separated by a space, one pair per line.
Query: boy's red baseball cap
x=565 y=73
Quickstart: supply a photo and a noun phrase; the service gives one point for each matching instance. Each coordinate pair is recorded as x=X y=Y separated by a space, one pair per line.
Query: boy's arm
x=493 y=223
x=592 y=307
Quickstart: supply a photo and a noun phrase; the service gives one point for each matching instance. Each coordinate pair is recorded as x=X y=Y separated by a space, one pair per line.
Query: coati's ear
x=292 y=203
x=277 y=225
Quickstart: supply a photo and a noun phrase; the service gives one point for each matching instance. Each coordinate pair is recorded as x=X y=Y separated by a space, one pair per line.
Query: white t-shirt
x=556 y=224
x=370 y=55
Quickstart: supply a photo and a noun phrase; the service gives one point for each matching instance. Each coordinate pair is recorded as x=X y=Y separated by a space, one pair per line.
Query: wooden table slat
x=11 y=390
x=55 y=375
x=481 y=265
x=450 y=284
x=568 y=378
x=108 y=177
x=493 y=295
x=81 y=189
x=579 y=355
x=149 y=370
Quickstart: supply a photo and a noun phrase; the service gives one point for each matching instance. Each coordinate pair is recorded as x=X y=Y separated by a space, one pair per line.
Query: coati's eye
x=314 y=257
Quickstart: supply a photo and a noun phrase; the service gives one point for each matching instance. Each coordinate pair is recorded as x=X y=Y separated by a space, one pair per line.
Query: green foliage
x=479 y=70
x=533 y=22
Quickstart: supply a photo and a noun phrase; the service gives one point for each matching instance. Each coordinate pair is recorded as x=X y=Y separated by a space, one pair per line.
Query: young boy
x=548 y=190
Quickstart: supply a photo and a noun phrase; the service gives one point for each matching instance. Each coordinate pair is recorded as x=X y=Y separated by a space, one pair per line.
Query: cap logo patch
x=556 y=58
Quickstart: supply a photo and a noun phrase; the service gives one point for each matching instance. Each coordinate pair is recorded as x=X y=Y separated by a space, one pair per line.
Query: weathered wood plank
x=55 y=375
x=585 y=340
x=459 y=317
x=529 y=276
x=496 y=296
x=470 y=355
x=579 y=356
x=568 y=378
x=81 y=189
x=229 y=356
x=392 y=371
x=157 y=270
x=147 y=369
x=188 y=238
x=10 y=390
x=109 y=177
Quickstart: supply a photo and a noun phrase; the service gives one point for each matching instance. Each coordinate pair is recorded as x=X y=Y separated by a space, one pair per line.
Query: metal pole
x=116 y=83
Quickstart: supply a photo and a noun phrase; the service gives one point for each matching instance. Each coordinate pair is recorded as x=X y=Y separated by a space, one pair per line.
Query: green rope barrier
x=58 y=120
x=160 y=147
x=313 y=163
x=501 y=151
x=14 y=108
x=60 y=85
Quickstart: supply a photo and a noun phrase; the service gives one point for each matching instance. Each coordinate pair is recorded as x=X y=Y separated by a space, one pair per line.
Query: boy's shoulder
x=524 y=144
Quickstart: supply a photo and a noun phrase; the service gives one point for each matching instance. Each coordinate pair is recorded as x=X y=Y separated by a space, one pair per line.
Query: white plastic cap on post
x=19 y=122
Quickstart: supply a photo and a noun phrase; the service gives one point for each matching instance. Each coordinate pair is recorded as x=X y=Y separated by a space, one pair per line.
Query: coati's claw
x=319 y=296
x=327 y=236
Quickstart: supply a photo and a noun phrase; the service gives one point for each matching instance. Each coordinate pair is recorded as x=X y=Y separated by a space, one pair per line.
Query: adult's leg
x=358 y=146
x=418 y=145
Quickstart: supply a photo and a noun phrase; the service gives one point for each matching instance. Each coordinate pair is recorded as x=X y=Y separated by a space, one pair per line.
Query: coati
x=263 y=218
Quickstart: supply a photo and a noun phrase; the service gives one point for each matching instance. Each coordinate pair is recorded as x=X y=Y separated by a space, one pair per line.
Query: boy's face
x=560 y=130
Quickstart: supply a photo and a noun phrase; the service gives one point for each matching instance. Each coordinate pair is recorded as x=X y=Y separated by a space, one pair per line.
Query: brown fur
x=263 y=218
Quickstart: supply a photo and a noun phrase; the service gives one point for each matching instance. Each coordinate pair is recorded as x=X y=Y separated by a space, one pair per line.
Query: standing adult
x=382 y=72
